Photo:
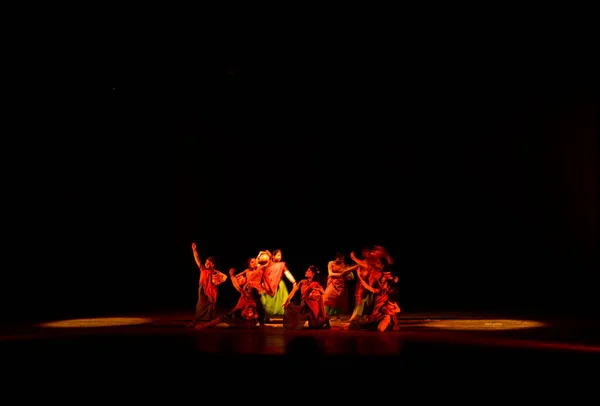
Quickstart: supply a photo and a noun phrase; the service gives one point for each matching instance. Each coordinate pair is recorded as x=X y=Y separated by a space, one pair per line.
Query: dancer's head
x=210 y=262
x=381 y=252
x=277 y=254
x=312 y=272
x=251 y=263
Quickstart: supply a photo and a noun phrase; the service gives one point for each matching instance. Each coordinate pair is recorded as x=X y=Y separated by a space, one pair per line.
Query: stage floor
x=449 y=328
x=432 y=346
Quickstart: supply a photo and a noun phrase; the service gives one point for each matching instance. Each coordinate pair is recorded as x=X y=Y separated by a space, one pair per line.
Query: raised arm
x=196 y=256
x=234 y=281
x=360 y=262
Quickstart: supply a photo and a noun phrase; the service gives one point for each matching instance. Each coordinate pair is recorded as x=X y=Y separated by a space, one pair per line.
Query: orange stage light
x=97 y=322
x=483 y=324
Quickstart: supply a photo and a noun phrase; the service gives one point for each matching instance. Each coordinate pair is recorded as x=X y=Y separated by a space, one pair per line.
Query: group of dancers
x=263 y=292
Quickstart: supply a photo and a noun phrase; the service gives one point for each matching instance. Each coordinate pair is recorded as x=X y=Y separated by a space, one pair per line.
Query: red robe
x=314 y=301
x=272 y=277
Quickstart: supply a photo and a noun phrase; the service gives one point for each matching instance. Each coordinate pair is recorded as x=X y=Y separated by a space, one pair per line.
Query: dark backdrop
x=477 y=168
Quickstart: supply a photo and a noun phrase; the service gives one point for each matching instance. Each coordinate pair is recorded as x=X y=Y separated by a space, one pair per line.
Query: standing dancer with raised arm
x=210 y=279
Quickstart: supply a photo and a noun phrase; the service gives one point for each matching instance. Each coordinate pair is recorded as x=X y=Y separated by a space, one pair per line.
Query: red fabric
x=313 y=299
x=208 y=286
x=255 y=278
x=272 y=277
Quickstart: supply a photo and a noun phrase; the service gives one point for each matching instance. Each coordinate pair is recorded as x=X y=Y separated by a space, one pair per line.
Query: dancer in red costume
x=361 y=294
x=374 y=260
x=210 y=279
x=336 y=293
x=311 y=306
x=385 y=308
x=249 y=308
x=276 y=292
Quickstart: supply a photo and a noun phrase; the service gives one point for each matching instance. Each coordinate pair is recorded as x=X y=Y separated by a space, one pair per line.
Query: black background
x=474 y=162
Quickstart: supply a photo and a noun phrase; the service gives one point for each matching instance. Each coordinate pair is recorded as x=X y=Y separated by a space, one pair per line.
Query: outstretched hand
x=231 y=271
x=194 y=246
